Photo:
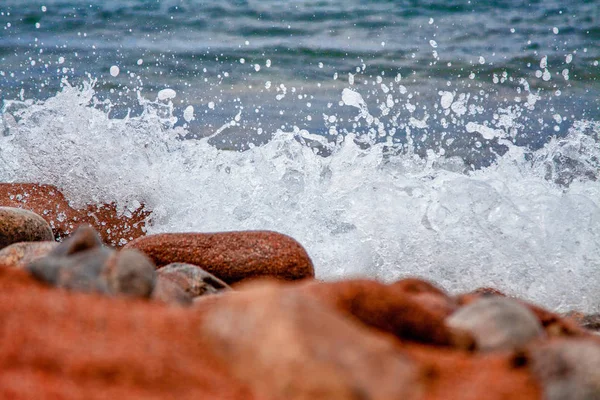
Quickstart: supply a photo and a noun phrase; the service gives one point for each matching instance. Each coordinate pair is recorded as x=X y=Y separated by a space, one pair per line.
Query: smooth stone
x=192 y=279
x=18 y=225
x=18 y=255
x=568 y=369
x=497 y=323
x=231 y=256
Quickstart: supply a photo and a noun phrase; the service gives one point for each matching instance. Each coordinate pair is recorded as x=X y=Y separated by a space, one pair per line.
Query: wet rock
x=115 y=228
x=192 y=279
x=568 y=369
x=169 y=292
x=18 y=255
x=410 y=309
x=285 y=345
x=82 y=263
x=231 y=256
x=497 y=323
x=17 y=225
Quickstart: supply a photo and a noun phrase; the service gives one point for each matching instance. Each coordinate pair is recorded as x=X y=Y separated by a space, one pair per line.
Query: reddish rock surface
x=410 y=309
x=231 y=256
x=18 y=255
x=265 y=341
x=49 y=202
x=18 y=225
x=61 y=345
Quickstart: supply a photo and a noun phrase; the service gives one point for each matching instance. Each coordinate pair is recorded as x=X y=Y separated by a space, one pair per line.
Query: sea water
x=459 y=142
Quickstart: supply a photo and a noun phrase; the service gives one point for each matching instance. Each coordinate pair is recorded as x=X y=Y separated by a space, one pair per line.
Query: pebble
x=192 y=279
x=17 y=225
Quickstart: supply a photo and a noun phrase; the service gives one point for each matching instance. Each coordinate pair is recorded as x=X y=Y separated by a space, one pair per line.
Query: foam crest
x=529 y=224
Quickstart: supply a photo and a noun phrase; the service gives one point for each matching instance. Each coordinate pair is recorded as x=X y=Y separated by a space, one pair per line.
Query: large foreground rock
x=63 y=345
x=231 y=256
x=288 y=346
x=115 y=228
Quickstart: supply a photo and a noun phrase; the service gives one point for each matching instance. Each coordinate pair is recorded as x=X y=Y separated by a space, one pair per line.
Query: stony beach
x=92 y=307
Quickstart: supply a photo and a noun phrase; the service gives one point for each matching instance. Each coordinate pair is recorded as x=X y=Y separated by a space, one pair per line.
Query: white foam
x=357 y=211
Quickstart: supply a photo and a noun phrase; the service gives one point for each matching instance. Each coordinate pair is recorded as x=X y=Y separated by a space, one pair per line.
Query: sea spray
x=528 y=224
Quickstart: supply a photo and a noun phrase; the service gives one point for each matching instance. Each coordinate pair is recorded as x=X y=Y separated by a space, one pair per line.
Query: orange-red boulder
x=231 y=256
x=410 y=309
x=49 y=202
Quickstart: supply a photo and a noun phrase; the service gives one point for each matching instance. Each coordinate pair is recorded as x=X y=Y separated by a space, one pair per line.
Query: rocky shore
x=91 y=307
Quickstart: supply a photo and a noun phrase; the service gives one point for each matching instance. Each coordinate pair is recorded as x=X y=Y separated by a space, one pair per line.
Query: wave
x=528 y=224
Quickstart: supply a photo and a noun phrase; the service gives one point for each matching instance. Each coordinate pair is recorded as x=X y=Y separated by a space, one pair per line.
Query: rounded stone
x=18 y=225
x=192 y=279
x=231 y=256
x=169 y=292
x=18 y=255
x=497 y=323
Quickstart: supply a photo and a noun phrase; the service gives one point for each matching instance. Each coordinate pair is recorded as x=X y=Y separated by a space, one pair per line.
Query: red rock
x=17 y=225
x=231 y=256
x=18 y=255
x=287 y=346
x=49 y=202
x=497 y=323
x=192 y=279
x=410 y=309
x=70 y=346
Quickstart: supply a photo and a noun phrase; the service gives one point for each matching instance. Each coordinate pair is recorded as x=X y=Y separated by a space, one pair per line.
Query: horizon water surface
x=455 y=141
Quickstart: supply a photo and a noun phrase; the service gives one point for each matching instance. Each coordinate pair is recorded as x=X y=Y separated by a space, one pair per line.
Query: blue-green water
x=227 y=52
x=455 y=140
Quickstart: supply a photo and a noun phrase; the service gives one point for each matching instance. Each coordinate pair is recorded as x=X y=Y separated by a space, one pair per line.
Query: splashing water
x=528 y=224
